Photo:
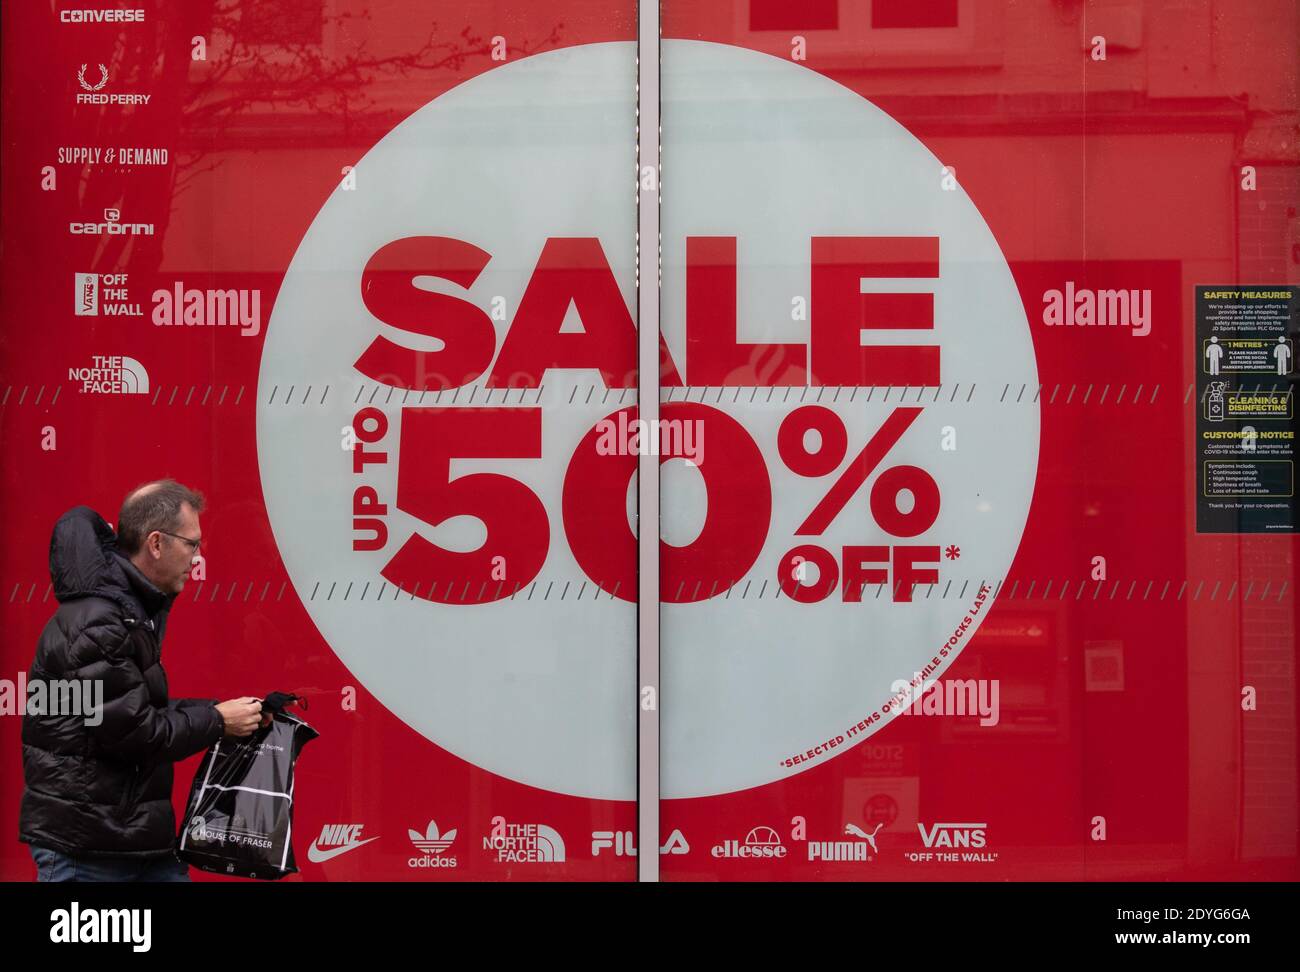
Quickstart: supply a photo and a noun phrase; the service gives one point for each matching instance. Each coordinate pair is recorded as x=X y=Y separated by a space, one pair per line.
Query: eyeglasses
x=194 y=544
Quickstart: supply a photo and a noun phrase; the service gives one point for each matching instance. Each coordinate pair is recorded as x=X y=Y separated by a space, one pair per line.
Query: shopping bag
x=239 y=818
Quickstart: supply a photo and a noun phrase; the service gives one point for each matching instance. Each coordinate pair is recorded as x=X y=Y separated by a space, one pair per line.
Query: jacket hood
x=85 y=562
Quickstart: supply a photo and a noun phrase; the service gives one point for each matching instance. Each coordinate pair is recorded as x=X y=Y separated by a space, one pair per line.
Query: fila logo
x=623 y=843
x=336 y=839
x=953 y=835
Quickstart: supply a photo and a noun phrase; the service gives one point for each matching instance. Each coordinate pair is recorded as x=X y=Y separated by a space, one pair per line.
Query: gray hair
x=153 y=506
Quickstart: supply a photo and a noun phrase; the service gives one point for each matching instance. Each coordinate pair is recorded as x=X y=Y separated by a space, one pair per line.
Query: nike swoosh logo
x=317 y=856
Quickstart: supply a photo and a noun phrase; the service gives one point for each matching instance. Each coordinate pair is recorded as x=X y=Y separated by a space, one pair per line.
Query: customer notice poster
x=1245 y=418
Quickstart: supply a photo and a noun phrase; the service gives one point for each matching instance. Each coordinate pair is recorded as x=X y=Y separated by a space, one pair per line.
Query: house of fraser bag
x=239 y=817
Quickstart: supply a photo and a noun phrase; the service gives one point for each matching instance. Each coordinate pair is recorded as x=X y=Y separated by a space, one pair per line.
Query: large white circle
x=543 y=691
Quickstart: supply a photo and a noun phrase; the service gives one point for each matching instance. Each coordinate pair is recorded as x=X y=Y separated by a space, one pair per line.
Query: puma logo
x=854 y=830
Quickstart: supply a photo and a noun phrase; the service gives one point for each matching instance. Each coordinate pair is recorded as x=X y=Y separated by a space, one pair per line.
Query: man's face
x=171 y=566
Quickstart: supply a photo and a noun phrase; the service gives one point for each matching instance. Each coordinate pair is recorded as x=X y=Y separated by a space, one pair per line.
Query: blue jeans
x=53 y=865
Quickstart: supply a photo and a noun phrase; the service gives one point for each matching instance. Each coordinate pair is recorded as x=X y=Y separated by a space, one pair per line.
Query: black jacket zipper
x=128 y=799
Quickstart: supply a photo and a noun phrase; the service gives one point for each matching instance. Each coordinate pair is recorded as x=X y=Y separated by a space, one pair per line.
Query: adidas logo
x=431 y=844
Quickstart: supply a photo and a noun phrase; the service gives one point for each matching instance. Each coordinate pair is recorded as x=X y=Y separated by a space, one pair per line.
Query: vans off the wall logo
x=103 y=293
x=835 y=349
x=953 y=843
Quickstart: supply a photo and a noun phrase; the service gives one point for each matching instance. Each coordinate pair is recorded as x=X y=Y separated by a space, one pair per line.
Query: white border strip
x=647 y=261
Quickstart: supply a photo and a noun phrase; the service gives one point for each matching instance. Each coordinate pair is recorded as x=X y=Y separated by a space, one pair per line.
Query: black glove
x=276 y=701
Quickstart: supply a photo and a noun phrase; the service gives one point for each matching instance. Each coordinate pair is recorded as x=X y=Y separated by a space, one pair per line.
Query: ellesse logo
x=759 y=842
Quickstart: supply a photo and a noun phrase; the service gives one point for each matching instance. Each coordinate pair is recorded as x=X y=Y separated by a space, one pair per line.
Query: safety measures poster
x=1245 y=423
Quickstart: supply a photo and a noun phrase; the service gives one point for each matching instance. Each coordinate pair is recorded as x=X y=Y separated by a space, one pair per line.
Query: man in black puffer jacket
x=97 y=804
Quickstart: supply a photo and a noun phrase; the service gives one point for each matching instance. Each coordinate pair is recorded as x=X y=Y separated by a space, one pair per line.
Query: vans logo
x=102 y=293
x=953 y=835
x=86 y=286
x=952 y=843
x=336 y=839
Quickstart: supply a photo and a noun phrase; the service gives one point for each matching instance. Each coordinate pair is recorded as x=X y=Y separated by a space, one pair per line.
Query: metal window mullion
x=648 y=279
